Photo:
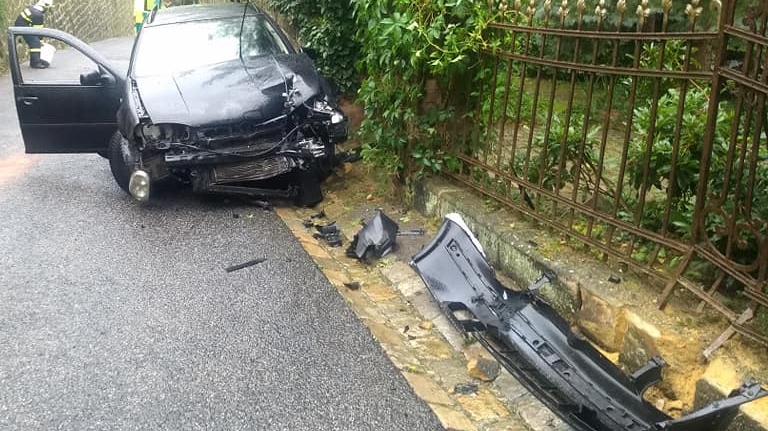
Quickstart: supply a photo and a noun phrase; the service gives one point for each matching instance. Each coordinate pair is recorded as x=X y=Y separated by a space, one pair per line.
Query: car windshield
x=170 y=48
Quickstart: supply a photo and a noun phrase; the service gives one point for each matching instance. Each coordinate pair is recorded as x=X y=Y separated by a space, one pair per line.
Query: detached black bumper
x=537 y=346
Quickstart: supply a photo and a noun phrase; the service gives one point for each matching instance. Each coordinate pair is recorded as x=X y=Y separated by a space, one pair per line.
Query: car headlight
x=337 y=118
x=152 y=132
x=164 y=132
x=322 y=106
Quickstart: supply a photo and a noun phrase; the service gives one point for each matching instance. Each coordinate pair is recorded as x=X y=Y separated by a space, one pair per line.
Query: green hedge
x=328 y=27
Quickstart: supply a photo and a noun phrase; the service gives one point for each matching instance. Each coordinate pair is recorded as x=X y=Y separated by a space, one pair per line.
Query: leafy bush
x=659 y=154
x=680 y=194
x=328 y=27
x=403 y=45
x=561 y=155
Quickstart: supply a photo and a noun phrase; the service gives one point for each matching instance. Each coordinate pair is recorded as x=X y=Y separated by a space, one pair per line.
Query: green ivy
x=328 y=27
x=404 y=45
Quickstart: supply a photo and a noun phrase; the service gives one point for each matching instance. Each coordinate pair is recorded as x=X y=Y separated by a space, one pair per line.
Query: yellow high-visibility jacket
x=141 y=8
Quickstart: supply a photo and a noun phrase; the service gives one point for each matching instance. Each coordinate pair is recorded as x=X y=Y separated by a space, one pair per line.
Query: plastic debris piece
x=375 y=239
x=465 y=388
x=246 y=264
x=330 y=233
x=352 y=285
x=411 y=232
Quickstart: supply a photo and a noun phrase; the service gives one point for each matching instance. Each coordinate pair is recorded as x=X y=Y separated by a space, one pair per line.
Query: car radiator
x=253 y=170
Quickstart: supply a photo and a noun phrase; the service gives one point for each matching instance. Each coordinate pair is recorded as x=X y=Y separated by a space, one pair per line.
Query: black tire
x=120 y=169
x=310 y=193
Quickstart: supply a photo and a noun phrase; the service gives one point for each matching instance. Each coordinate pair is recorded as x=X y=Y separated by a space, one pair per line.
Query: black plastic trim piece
x=537 y=346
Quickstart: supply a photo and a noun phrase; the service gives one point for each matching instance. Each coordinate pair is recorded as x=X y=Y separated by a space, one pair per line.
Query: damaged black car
x=215 y=96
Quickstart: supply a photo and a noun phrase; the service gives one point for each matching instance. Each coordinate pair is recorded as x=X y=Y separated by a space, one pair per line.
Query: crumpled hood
x=225 y=92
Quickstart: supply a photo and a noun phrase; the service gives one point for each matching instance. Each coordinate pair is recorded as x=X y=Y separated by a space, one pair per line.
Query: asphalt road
x=120 y=316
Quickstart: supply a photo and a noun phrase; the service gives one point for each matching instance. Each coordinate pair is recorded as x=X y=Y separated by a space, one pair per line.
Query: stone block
x=411 y=286
x=452 y=418
x=425 y=305
x=514 y=261
x=483 y=369
x=643 y=340
x=397 y=272
x=379 y=292
x=639 y=343
x=484 y=406
x=601 y=320
x=561 y=300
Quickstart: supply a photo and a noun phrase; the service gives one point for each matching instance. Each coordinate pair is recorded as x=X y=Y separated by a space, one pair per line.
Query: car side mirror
x=90 y=78
x=95 y=77
x=106 y=79
x=311 y=52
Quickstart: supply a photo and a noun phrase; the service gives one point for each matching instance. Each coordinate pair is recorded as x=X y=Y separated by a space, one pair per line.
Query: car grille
x=253 y=170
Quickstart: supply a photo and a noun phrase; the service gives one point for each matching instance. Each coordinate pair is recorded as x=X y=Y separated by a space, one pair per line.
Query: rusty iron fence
x=638 y=128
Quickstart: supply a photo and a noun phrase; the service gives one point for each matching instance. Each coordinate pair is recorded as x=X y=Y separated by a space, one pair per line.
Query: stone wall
x=87 y=20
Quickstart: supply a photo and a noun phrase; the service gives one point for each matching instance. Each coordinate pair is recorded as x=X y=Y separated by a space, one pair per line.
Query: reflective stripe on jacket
x=32 y=16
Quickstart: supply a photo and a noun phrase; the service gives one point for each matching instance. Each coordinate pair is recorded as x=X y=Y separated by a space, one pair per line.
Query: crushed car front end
x=240 y=157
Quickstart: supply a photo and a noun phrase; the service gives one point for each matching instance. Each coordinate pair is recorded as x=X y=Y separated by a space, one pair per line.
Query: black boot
x=35 y=62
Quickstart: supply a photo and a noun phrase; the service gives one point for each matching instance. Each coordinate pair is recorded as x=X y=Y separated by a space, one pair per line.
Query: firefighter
x=33 y=16
x=142 y=8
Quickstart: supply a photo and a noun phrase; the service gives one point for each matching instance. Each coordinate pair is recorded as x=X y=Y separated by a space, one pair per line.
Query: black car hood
x=225 y=92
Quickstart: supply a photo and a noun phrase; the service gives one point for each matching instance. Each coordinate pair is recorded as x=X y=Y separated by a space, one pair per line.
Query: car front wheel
x=117 y=164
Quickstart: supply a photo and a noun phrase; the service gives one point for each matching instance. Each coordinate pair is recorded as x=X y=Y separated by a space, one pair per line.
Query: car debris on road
x=538 y=347
x=375 y=239
x=245 y=264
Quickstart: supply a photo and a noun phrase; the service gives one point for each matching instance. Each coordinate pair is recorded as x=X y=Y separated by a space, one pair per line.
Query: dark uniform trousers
x=32 y=17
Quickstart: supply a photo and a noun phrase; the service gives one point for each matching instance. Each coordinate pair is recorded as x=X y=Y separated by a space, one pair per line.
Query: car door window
x=67 y=65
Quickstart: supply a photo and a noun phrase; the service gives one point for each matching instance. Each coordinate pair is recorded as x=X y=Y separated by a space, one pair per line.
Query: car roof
x=180 y=14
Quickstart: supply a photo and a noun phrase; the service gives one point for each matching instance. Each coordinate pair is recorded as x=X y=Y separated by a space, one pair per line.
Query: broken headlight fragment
x=538 y=347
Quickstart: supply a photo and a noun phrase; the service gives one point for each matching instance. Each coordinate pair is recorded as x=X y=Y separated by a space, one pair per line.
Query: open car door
x=69 y=107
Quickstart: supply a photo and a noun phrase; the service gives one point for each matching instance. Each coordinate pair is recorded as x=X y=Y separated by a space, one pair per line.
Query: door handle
x=27 y=100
